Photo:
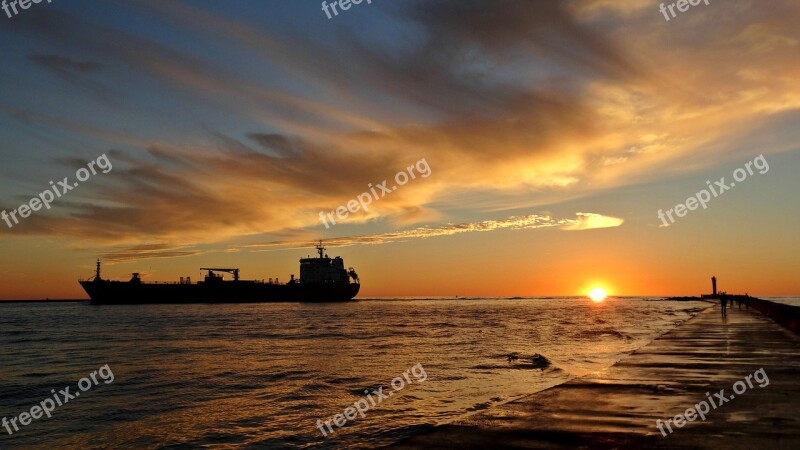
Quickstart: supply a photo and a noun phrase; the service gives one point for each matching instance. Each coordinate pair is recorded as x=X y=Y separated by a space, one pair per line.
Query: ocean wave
x=606 y=332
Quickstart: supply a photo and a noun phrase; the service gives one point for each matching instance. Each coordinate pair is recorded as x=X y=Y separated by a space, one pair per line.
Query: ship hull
x=105 y=292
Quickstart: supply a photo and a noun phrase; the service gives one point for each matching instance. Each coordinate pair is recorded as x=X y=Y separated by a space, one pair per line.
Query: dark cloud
x=468 y=48
x=63 y=65
x=78 y=73
x=514 y=29
x=276 y=143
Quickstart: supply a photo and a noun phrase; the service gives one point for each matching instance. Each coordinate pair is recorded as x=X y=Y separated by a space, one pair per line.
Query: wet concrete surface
x=618 y=407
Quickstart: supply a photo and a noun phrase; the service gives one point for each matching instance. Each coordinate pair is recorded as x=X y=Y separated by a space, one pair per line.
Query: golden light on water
x=597 y=294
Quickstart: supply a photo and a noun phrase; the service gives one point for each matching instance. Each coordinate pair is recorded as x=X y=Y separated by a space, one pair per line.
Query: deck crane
x=235 y=272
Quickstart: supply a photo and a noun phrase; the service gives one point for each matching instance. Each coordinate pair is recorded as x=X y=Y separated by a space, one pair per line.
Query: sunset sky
x=554 y=132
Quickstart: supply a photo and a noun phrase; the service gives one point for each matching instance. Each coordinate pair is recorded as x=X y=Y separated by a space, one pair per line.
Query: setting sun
x=597 y=294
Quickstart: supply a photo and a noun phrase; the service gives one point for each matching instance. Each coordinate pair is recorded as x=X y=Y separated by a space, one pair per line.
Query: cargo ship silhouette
x=322 y=279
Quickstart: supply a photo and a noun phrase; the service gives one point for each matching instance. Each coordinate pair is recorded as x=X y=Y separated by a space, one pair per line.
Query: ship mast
x=97 y=270
x=320 y=249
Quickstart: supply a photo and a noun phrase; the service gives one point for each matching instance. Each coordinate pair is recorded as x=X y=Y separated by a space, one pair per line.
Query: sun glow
x=597 y=294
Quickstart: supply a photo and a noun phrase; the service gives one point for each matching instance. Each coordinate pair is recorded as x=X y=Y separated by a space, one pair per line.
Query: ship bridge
x=324 y=269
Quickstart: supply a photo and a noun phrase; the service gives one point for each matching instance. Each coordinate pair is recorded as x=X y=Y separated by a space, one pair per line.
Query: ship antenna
x=320 y=248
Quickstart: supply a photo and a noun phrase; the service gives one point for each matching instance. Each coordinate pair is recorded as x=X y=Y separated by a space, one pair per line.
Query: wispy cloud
x=591 y=221
x=146 y=251
x=584 y=221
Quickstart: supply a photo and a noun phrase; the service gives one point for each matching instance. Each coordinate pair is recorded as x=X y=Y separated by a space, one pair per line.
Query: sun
x=597 y=294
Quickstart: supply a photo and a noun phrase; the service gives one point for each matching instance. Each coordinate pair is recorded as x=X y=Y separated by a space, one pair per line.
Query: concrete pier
x=618 y=407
